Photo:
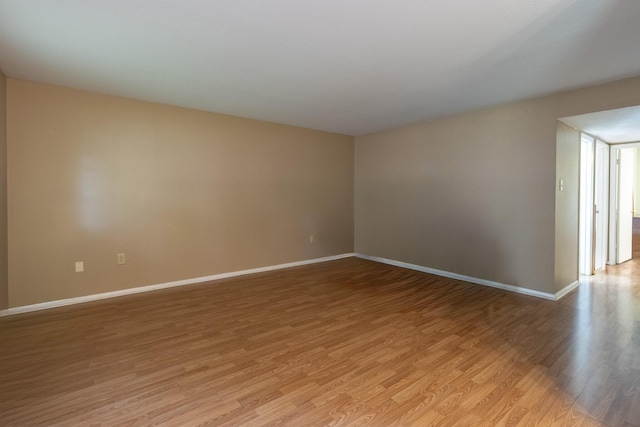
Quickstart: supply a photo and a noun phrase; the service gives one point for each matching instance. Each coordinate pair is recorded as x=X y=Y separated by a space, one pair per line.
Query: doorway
x=582 y=222
x=594 y=205
x=625 y=186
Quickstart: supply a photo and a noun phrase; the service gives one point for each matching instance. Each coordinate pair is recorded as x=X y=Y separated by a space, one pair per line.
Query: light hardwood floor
x=347 y=342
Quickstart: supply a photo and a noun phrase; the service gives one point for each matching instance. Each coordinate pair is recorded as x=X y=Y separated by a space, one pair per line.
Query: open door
x=586 y=220
x=601 y=200
x=626 y=176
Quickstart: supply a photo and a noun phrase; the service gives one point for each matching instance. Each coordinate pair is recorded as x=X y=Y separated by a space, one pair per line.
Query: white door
x=601 y=205
x=586 y=224
x=626 y=175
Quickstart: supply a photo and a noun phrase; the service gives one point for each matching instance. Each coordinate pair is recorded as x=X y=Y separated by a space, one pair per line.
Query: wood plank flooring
x=347 y=342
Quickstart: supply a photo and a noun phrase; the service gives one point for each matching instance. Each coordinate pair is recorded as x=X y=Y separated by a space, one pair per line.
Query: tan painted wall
x=461 y=194
x=183 y=193
x=186 y=193
x=474 y=194
x=567 y=202
x=4 y=285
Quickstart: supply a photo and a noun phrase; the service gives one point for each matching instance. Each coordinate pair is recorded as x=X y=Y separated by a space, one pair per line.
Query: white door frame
x=586 y=224
x=601 y=201
x=613 y=198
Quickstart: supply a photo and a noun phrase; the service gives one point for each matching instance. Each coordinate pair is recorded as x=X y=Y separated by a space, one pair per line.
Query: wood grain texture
x=347 y=342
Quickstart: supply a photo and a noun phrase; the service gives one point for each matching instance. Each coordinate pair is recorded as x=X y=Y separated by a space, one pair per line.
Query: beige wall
x=183 y=193
x=567 y=202
x=474 y=194
x=4 y=285
x=461 y=194
x=187 y=194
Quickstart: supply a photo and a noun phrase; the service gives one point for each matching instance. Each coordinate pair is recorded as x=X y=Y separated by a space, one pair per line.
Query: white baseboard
x=130 y=291
x=462 y=277
x=562 y=292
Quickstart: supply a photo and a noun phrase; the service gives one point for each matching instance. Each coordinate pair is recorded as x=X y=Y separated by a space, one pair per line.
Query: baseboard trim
x=149 y=288
x=95 y=297
x=470 y=279
x=564 y=291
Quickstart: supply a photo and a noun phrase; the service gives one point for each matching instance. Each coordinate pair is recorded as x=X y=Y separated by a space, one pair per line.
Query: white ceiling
x=351 y=67
x=613 y=126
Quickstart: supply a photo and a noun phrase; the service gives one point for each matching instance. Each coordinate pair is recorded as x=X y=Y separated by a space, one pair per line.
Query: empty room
x=294 y=213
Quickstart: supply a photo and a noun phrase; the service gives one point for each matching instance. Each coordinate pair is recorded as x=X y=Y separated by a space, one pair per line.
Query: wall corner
x=4 y=275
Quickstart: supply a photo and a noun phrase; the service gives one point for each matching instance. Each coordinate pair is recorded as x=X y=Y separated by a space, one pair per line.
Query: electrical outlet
x=121 y=259
x=312 y=238
x=79 y=266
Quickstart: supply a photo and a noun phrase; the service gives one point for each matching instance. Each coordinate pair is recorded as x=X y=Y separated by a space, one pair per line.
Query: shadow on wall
x=467 y=242
x=519 y=56
x=445 y=227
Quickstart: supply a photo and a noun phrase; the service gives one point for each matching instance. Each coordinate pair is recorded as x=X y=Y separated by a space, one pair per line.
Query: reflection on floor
x=607 y=330
x=636 y=238
x=348 y=342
